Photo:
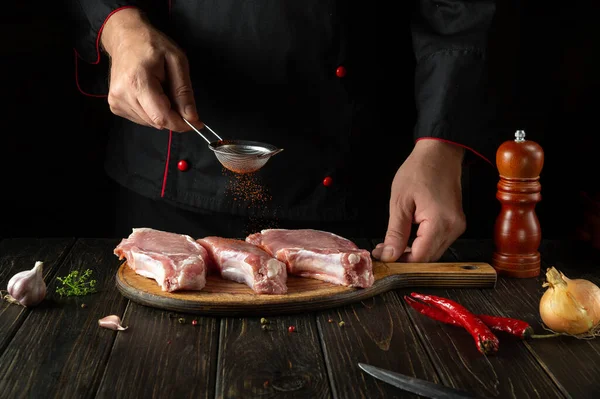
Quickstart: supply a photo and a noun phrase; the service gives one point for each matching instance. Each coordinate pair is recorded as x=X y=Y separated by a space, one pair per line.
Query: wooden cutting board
x=228 y=298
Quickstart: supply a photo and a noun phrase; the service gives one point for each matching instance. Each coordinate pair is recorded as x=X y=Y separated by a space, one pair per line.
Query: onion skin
x=569 y=306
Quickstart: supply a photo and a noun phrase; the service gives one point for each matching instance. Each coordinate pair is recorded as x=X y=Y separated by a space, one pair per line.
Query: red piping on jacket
x=458 y=144
x=77 y=56
x=164 y=185
x=98 y=55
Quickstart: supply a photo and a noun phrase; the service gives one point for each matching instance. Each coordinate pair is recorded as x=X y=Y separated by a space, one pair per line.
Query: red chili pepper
x=486 y=341
x=516 y=327
x=432 y=312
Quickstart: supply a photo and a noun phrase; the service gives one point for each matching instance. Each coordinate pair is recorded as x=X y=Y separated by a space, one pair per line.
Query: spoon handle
x=198 y=131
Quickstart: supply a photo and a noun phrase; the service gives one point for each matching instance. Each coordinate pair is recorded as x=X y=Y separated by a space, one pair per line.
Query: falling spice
x=181 y=320
x=248 y=190
x=263 y=321
x=341 y=323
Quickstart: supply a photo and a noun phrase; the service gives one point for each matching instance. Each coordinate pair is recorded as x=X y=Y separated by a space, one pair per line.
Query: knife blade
x=415 y=385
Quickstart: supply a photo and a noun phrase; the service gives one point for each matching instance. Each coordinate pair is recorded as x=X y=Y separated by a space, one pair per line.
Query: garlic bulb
x=27 y=288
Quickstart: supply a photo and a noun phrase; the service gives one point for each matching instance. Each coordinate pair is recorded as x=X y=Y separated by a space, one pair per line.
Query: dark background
x=544 y=78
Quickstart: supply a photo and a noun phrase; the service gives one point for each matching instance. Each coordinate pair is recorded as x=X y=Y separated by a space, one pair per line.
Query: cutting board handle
x=447 y=274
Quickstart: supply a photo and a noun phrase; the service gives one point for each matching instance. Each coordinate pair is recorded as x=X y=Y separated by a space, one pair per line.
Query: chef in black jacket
x=303 y=76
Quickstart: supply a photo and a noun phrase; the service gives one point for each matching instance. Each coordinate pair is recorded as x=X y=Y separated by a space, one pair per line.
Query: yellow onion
x=570 y=306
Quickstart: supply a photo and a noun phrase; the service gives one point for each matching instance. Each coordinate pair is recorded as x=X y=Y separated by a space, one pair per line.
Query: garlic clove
x=27 y=288
x=112 y=322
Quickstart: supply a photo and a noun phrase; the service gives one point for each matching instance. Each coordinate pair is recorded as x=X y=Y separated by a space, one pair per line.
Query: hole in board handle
x=469 y=267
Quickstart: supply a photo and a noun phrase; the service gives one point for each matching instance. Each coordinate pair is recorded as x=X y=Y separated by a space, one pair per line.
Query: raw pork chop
x=318 y=254
x=175 y=261
x=245 y=263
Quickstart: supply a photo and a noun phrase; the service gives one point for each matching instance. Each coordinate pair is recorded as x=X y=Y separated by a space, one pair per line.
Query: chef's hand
x=426 y=191
x=149 y=75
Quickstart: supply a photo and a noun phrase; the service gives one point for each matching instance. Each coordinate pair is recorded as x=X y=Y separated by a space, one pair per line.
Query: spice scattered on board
x=340 y=323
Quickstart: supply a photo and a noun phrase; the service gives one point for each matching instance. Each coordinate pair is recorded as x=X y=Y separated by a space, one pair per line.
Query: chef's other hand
x=149 y=75
x=426 y=191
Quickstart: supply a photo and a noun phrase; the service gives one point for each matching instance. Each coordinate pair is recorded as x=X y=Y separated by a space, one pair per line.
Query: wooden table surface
x=57 y=350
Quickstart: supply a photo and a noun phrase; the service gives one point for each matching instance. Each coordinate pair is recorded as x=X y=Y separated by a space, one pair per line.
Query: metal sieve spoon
x=239 y=156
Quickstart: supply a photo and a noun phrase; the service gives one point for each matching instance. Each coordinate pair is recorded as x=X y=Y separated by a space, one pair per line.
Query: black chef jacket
x=308 y=77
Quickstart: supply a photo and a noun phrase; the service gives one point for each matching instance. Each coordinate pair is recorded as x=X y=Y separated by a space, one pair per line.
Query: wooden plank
x=459 y=363
x=566 y=360
x=20 y=254
x=157 y=356
x=60 y=351
x=264 y=363
x=376 y=331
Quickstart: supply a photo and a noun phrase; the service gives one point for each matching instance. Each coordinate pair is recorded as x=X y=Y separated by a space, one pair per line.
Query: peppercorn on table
x=58 y=350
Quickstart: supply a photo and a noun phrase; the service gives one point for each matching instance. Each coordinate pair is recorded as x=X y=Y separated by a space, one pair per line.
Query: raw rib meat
x=245 y=263
x=318 y=254
x=175 y=261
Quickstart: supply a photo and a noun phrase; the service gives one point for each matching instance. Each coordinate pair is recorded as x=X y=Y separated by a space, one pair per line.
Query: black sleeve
x=449 y=42
x=88 y=18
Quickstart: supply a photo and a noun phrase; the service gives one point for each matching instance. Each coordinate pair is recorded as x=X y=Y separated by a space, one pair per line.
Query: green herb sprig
x=75 y=284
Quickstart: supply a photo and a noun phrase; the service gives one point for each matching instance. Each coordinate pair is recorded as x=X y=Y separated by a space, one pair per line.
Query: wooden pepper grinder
x=517 y=231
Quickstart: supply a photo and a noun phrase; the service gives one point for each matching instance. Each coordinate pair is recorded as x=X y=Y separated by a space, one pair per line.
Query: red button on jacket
x=183 y=165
